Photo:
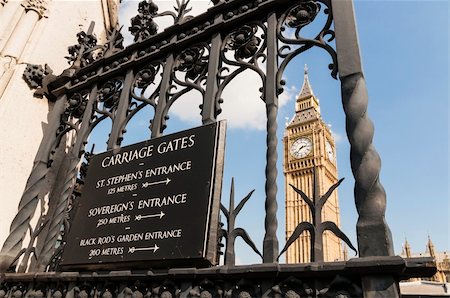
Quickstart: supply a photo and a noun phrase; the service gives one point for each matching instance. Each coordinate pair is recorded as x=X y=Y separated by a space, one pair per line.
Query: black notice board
x=154 y=203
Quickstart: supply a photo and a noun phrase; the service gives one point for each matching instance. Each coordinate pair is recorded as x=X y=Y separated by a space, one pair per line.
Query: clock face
x=329 y=150
x=301 y=147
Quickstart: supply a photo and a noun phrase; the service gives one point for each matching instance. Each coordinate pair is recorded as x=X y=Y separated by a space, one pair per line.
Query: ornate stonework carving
x=3 y=2
x=6 y=63
x=39 y=6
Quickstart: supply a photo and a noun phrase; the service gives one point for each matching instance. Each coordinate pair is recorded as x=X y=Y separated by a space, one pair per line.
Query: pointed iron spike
x=231 y=209
x=243 y=202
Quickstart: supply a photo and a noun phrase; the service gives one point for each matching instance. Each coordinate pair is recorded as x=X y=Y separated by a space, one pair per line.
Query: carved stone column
x=10 y=12
x=111 y=13
x=7 y=66
x=34 y=10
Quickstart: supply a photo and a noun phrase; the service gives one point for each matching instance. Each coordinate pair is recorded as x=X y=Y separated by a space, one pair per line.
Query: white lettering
x=164 y=170
x=110 y=209
x=127 y=156
x=176 y=199
x=130 y=237
x=112 y=251
x=157 y=235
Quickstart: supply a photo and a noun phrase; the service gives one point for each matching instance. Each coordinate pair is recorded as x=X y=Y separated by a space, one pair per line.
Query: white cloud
x=242 y=107
x=338 y=138
x=289 y=94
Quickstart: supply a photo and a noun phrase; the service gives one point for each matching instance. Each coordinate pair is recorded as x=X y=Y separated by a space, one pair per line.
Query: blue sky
x=405 y=50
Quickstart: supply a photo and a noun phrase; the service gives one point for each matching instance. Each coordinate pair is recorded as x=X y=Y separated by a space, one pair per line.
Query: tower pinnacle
x=306 y=90
x=306 y=100
x=430 y=247
x=406 y=249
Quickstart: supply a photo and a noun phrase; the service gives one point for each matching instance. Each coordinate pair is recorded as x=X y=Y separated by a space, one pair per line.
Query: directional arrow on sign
x=147 y=184
x=132 y=249
x=139 y=217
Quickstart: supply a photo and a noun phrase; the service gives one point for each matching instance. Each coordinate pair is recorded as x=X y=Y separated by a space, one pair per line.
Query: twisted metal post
x=63 y=196
x=270 y=246
x=374 y=236
x=34 y=189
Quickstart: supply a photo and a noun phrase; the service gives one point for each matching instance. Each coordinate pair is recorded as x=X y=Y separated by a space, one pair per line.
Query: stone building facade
x=35 y=32
x=442 y=260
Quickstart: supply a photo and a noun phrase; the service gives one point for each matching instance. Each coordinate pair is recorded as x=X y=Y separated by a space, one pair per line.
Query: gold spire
x=306 y=90
x=306 y=99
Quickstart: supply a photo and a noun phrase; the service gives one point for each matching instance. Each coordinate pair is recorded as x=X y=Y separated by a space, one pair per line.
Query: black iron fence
x=203 y=55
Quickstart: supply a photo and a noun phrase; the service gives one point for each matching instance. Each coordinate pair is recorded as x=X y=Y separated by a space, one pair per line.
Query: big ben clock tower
x=308 y=142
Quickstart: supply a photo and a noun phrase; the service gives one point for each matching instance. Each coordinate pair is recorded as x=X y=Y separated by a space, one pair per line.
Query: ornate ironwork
x=193 y=61
x=341 y=287
x=142 y=25
x=302 y=14
x=247 y=52
x=64 y=190
x=265 y=281
x=317 y=227
x=232 y=233
x=200 y=55
x=114 y=42
x=83 y=53
x=298 y=17
x=293 y=288
x=181 y=11
x=244 y=42
x=189 y=73
x=34 y=74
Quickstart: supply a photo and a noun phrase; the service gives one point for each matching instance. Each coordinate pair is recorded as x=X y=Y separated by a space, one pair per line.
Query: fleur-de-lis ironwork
x=181 y=11
x=317 y=227
x=142 y=25
x=232 y=233
x=114 y=42
x=83 y=53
